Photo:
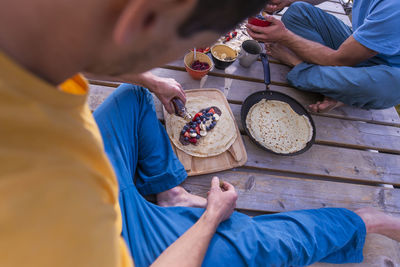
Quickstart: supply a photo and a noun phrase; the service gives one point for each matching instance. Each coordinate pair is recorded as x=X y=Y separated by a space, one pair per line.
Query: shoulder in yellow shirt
x=58 y=192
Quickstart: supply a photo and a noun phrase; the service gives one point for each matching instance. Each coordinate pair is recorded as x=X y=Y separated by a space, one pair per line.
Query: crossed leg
x=135 y=142
x=319 y=27
x=131 y=130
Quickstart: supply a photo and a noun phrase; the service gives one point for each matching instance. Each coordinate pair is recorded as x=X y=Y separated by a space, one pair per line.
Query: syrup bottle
x=180 y=109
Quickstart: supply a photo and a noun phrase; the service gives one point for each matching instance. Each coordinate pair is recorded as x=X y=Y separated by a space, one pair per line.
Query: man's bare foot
x=378 y=222
x=178 y=196
x=326 y=105
x=283 y=54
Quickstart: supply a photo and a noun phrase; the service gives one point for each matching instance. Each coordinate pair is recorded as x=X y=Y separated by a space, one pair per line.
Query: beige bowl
x=197 y=74
x=223 y=56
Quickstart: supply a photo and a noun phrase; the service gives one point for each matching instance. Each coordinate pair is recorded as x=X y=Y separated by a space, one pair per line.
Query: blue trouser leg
x=374 y=87
x=132 y=136
x=131 y=130
x=316 y=25
x=370 y=85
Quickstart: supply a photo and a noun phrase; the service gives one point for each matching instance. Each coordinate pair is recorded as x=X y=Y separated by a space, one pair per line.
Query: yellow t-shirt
x=58 y=193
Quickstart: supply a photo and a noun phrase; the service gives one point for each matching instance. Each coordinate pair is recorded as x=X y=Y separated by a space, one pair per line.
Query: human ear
x=129 y=22
x=140 y=15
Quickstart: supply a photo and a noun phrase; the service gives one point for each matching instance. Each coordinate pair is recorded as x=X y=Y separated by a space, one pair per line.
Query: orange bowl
x=189 y=59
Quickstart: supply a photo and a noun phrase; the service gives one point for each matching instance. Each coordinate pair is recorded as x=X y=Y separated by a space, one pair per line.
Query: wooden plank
x=378 y=251
x=254 y=73
x=346 y=133
x=329 y=161
x=357 y=134
x=269 y=193
x=262 y=194
x=238 y=90
x=331 y=131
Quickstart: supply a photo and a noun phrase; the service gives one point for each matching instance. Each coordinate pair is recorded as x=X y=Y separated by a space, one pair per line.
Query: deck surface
x=354 y=163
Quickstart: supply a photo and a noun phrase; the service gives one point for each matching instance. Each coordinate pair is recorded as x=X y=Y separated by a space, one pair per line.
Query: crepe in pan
x=276 y=126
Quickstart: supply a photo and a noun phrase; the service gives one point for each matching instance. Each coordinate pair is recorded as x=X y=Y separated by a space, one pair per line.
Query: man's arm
x=189 y=250
x=164 y=88
x=350 y=53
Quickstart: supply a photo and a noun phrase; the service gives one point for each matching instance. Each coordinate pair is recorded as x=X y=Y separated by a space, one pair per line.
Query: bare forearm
x=309 y=51
x=189 y=250
x=146 y=79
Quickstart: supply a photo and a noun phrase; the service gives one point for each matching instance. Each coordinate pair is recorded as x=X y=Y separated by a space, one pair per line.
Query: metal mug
x=249 y=53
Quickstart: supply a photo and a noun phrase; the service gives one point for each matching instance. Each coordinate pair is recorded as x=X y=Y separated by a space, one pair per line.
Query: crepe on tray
x=217 y=141
x=277 y=127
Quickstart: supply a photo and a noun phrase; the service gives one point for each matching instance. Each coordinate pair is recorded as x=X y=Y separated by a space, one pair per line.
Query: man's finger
x=271 y=19
x=215 y=183
x=228 y=187
x=257 y=36
x=182 y=96
x=255 y=28
x=170 y=107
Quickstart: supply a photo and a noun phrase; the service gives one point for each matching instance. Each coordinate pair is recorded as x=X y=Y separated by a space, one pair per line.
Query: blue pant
x=138 y=146
x=370 y=85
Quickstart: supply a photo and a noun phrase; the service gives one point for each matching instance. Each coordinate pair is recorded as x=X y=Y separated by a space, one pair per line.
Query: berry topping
x=198 y=127
x=197 y=65
x=193 y=140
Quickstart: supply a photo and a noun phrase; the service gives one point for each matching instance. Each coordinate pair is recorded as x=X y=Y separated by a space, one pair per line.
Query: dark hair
x=219 y=15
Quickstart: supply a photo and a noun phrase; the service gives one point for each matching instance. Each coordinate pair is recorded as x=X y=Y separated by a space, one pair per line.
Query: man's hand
x=195 y=241
x=274 y=33
x=277 y=5
x=221 y=202
x=166 y=89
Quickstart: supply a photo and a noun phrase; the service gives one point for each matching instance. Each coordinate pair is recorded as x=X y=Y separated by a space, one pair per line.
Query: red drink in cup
x=259 y=20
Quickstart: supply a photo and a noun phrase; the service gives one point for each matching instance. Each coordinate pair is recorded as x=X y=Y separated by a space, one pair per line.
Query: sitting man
x=358 y=67
x=59 y=198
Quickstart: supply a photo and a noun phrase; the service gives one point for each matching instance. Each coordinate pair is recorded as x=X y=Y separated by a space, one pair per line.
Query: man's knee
x=298 y=11
x=135 y=94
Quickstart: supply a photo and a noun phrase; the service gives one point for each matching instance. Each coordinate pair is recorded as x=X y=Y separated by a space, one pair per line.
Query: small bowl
x=197 y=74
x=220 y=49
x=258 y=22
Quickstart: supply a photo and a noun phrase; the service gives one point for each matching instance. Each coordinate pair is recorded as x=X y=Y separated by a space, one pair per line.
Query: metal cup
x=249 y=53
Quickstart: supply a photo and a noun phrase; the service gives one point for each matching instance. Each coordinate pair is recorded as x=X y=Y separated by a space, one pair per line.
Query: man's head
x=116 y=36
x=151 y=33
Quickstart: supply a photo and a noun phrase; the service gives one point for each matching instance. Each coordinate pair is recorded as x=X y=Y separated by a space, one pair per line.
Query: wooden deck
x=354 y=163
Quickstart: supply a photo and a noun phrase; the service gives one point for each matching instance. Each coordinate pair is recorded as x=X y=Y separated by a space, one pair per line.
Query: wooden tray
x=235 y=156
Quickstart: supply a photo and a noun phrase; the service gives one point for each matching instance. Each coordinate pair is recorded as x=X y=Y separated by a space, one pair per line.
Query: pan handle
x=267 y=71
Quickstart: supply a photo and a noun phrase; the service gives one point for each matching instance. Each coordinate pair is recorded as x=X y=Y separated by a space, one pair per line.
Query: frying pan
x=253 y=99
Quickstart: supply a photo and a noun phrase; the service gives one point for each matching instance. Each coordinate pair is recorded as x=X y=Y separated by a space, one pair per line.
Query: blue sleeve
x=381 y=28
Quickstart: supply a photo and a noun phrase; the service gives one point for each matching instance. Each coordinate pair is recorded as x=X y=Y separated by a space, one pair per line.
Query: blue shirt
x=376 y=25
